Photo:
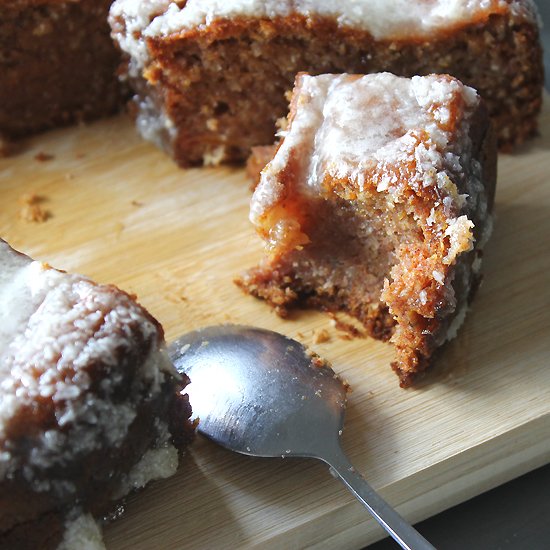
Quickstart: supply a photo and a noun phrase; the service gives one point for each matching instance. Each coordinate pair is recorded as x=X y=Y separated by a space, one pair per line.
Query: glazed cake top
x=382 y=132
x=55 y=329
x=383 y=19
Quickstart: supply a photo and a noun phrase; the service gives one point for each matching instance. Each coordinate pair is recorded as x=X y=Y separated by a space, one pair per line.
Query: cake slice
x=58 y=64
x=210 y=76
x=377 y=203
x=90 y=405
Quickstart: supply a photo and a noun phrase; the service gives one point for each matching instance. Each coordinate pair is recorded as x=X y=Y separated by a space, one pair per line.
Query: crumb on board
x=175 y=297
x=43 y=157
x=136 y=203
x=320 y=336
x=350 y=331
x=31 y=209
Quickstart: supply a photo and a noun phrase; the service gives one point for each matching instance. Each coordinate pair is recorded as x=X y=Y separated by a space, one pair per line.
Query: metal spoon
x=260 y=393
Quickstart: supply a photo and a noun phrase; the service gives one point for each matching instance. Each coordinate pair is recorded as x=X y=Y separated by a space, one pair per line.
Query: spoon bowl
x=259 y=393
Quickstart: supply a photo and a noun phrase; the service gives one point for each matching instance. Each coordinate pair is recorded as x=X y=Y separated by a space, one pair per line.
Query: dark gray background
x=515 y=516
x=544 y=8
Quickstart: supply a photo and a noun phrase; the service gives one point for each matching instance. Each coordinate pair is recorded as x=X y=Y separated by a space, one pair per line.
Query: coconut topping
x=382 y=18
x=357 y=127
x=53 y=327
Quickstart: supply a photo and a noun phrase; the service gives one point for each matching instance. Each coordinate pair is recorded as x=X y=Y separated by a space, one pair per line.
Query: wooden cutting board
x=122 y=212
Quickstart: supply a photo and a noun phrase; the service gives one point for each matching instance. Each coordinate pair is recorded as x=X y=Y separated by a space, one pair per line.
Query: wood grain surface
x=120 y=211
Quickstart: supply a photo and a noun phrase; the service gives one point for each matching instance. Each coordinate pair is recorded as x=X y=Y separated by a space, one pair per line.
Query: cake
x=210 y=76
x=90 y=405
x=377 y=203
x=58 y=64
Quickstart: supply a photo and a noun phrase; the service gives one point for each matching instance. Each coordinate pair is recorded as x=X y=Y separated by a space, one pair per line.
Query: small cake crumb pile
x=43 y=157
x=31 y=209
x=320 y=336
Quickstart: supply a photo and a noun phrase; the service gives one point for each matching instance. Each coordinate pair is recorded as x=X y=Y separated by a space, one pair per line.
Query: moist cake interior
x=345 y=259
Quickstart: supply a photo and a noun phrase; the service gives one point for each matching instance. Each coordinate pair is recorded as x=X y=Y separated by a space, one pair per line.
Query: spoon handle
x=403 y=533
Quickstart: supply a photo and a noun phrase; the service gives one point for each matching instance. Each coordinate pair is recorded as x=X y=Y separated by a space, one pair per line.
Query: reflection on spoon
x=262 y=394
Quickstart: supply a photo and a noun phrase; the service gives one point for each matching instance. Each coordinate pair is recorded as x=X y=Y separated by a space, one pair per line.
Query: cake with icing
x=210 y=76
x=58 y=65
x=377 y=203
x=90 y=405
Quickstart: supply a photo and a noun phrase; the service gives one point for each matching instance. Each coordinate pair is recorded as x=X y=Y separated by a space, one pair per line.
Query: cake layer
x=87 y=393
x=377 y=203
x=210 y=77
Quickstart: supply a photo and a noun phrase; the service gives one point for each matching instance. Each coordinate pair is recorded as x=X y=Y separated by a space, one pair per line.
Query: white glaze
x=381 y=18
x=345 y=126
x=136 y=15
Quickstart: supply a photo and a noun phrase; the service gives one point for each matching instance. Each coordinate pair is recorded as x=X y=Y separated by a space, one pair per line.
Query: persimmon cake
x=377 y=203
x=90 y=405
x=210 y=76
x=58 y=64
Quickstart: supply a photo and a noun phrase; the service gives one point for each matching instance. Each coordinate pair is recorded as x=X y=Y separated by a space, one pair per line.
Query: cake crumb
x=212 y=124
x=320 y=336
x=316 y=360
x=31 y=209
x=319 y=362
x=349 y=331
x=43 y=157
x=214 y=157
x=175 y=297
x=136 y=203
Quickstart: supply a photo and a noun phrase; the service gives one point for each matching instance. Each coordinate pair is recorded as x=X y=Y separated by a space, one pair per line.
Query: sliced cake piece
x=210 y=76
x=58 y=64
x=90 y=405
x=377 y=203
